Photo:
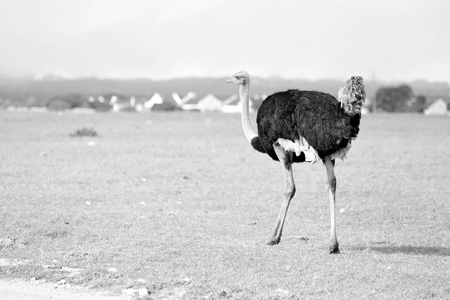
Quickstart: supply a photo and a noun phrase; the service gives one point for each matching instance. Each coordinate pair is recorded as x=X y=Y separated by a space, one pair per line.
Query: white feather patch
x=342 y=153
x=298 y=147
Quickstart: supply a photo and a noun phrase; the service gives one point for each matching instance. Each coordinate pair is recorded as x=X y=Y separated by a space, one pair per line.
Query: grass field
x=181 y=204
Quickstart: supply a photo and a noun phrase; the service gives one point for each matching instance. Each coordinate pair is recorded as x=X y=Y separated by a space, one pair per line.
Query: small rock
x=91 y=143
x=142 y=203
x=88 y=203
x=342 y=210
x=112 y=270
x=223 y=294
x=143 y=292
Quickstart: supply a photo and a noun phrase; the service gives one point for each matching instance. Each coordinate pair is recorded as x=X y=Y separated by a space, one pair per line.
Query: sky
x=400 y=40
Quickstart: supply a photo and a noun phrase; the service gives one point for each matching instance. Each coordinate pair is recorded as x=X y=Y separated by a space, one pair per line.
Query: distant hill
x=21 y=91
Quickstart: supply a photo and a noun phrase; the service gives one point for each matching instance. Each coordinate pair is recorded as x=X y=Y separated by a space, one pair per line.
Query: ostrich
x=304 y=126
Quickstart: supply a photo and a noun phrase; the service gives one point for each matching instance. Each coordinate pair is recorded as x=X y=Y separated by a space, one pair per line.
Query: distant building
x=181 y=101
x=124 y=104
x=233 y=105
x=439 y=107
x=155 y=99
x=210 y=103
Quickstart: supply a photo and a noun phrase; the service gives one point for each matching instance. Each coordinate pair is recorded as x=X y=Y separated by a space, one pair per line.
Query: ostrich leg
x=331 y=190
x=289 y=191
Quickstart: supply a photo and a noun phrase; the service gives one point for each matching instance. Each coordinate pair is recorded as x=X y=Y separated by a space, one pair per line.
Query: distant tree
x=394 y=99
x=66 y=102
x=58 y=104
x=417 y=104
x=165 y=106
x=99 y=106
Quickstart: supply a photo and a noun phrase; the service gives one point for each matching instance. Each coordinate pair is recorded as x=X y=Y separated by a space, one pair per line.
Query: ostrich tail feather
x=352 y=96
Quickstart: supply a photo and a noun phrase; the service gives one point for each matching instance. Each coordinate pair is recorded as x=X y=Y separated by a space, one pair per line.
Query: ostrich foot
x=273 y=241
x=334 y=248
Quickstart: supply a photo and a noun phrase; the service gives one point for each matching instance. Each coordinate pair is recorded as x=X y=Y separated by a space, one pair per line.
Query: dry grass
x=181 y=204
x=84 y=132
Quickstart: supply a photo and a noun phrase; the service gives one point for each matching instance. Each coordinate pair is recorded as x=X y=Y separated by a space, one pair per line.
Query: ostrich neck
x=245 y=113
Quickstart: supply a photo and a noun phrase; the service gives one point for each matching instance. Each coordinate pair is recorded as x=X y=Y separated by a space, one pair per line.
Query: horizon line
x=56 y=77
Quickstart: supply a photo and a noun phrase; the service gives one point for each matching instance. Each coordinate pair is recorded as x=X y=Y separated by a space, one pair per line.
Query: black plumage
x=316 y=116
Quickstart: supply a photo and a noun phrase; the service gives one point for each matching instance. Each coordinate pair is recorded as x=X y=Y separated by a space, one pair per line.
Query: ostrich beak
x=233 y=80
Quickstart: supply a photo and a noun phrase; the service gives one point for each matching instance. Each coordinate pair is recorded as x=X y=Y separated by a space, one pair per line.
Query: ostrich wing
x=321 y=121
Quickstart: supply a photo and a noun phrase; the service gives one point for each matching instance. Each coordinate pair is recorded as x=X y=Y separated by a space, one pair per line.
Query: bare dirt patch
x=19 y=290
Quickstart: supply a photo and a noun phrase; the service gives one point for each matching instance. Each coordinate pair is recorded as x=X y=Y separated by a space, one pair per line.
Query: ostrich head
x=352 y=96
x=240 y=78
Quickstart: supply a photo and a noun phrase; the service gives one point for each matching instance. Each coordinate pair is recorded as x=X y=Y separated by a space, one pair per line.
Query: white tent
x=210 y=103
x=439 y=107
x=155 y=99
x=181 y=101
x=233 y=105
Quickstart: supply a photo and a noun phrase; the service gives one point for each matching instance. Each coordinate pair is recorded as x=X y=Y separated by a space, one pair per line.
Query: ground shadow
x=411 y=250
